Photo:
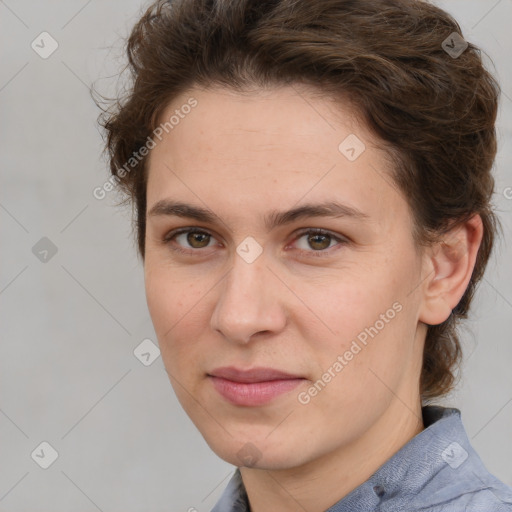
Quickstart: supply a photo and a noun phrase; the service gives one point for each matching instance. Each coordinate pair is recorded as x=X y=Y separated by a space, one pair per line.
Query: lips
x=253 y=375
x=253 y=387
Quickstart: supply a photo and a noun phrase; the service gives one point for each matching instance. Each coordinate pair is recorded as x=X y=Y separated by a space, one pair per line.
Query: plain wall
x=69 y=326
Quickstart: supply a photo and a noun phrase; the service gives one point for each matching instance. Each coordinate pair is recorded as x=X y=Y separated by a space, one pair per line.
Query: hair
x=435 y=112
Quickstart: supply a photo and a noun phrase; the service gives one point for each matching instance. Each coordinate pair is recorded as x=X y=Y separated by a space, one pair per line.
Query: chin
x=258 y=452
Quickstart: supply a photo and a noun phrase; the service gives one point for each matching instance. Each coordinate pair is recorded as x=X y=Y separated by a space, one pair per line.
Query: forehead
x=283 y=145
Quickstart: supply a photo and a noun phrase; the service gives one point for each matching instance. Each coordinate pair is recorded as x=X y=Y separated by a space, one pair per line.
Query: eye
x=313 y=241
x=189 y=239
x=319 y=240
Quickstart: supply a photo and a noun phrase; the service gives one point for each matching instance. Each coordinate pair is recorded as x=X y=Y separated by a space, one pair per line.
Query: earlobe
x=450 y=264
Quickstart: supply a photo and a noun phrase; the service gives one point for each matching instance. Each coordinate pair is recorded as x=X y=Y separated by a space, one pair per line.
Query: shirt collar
x=418 y=473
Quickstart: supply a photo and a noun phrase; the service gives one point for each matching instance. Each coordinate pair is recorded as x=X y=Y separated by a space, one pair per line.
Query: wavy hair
x=435 y=112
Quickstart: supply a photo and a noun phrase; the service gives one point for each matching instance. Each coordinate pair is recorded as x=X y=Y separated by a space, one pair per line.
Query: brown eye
x=319 y=242
x=188 y=240
x=198 y=239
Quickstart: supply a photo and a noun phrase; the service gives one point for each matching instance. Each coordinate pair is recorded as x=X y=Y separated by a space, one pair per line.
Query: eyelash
x=311 y=231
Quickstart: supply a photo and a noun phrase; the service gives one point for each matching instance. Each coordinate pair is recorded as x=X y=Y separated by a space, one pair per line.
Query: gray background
x=69 y=326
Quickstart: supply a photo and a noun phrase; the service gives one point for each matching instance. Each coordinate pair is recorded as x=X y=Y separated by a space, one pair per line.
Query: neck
x=322 y=482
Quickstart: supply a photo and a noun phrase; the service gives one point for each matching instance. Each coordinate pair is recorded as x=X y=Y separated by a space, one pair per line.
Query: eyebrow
x=273 y=219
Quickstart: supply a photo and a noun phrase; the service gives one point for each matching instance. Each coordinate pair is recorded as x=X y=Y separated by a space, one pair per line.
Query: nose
x=249 y=302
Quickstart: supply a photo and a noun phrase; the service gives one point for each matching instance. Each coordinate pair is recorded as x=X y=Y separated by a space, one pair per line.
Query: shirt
x=436 y=471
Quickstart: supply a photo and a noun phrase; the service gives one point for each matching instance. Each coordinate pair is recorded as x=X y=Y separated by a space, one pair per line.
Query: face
x=326 y=294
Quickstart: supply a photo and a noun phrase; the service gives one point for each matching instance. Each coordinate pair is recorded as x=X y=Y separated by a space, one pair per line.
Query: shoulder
x=471 y=488
x=456 y=480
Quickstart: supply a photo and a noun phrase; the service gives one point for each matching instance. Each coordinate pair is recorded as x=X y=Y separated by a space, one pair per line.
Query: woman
x=311 y=182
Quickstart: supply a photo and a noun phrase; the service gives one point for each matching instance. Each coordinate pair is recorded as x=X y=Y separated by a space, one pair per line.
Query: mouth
x=253 y=387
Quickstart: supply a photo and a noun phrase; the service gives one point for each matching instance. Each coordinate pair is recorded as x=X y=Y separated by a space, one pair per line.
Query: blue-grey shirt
x=436 y=471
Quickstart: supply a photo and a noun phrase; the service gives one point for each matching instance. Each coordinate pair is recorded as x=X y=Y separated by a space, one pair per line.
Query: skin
x=293 y=309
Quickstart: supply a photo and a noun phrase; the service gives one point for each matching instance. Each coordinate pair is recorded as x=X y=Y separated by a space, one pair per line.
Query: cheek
x=163 y=304
x=340 y=308
x=362 y=315
x=176 y=311
x=169 y=292
x=361 y=368
x=172 y=305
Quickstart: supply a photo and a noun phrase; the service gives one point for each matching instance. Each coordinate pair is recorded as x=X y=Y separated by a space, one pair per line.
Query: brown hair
x=434 y=111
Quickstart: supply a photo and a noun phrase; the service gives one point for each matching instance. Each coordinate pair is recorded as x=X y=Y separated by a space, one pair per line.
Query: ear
x=448 y=266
